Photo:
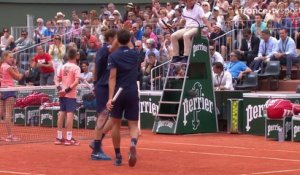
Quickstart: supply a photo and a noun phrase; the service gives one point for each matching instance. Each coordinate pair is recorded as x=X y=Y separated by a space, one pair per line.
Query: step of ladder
x=167 y=115
x=178 y=77
x=175 y=90
x=169 y=102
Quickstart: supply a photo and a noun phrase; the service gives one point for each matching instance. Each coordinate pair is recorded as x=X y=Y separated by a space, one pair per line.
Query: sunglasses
x=204 y=5
x=168 y=4
x=211 y=49
x=116 y=14
x=57 y=38
x=5 y=31
x=76 y=23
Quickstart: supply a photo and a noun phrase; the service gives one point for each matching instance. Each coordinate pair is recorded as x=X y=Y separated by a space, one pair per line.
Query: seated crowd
x=234 y=28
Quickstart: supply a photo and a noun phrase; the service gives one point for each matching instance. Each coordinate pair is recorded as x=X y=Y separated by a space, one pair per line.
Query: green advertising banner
x=149 y=104
x=198 y=107
x=295 y=129
x=253 y=110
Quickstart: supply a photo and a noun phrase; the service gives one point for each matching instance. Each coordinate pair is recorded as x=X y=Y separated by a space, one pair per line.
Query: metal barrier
x=157 y=76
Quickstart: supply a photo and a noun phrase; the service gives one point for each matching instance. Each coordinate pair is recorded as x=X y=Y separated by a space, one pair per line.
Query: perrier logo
x=198 y=47
x=195 y=105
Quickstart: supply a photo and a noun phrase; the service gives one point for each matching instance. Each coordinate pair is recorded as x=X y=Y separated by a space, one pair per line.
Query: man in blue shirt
x=101 y=89
x=236 y=67
x=286 y=52
x=267 y=48
x=123 y=65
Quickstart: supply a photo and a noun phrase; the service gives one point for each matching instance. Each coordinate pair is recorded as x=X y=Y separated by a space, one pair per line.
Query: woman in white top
x=57 y=51
x=6 y=39
x=171 y=11
x=222 y=79
x=86 y=75
x=206 y=8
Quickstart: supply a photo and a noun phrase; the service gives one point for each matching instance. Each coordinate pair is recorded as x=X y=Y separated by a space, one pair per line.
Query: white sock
x=69 y=135
x=59 y=135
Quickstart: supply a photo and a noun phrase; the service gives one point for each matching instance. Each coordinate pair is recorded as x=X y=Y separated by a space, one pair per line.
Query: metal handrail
x=154 y=69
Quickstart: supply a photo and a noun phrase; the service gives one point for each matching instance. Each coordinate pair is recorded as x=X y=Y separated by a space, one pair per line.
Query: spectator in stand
x=43 y=61
x=32 y=75
x=49 y=32
x=60 y=27
x=170 y=10
x=7 y=40
x=281 y=21
x=236 y=67
x=148 y=29
x=223 y=5
x=89 y=42
x=118 y=18
x=215 y=56
x=111 y=23
x=157 y=75
x=94 y=20
x=206 y=8
x=137 y=34
x=8 y=73
x=177 y=22
x=75 y=32
x=215 y=15
x=258 y=26
x=220 y=39
x=60 y=16
x=267 y=47
x=38 y=32
x=166 y=48
x=86 y=75
x=146 y=21
x=129 y=8
x=222 y=79
x=151 y=49
x=250 y=7
x=249 y=47
x=141 y=52
x=240 y=19
x=271 y=11
x=101 y=34
x=57 y=51
x=75 y=17
x=162 y=18
x=23 y=42
x=84 y=16
x=286 y=52
x=111 y=7
x=131 y=17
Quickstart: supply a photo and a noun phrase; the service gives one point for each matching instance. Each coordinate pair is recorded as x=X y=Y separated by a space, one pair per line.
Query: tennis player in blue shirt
x=101 y=89
x=123 y=65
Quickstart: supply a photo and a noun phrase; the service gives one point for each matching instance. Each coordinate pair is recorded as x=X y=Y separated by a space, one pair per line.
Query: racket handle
x=117 y=94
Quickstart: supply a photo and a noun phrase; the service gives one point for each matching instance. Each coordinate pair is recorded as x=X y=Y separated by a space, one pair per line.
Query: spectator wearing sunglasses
x=57 y=50
x=7 y=40
x=23 y=42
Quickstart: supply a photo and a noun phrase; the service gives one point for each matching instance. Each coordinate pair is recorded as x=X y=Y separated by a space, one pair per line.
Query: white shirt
x=224 y=79
x=86 y=76
x=196 y=13
x=216 y=57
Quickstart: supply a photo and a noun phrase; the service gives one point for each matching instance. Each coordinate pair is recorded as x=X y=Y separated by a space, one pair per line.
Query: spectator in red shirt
x=89 y=41
x=44 y=62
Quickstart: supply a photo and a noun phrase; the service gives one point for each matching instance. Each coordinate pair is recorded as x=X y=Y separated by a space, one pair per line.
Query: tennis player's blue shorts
x=7 y=94
x=127 y=102
x=101 y=97
x=67 y=104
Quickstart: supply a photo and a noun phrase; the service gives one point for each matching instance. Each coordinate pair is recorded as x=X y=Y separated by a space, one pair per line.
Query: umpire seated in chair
x=249 y=47
x=194 y=11
x=286 y=52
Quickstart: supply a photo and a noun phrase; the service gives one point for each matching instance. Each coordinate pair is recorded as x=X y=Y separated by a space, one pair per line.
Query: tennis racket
x=106 y=112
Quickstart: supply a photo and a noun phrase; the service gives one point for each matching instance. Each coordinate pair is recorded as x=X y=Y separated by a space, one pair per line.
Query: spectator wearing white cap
x=206 y=8
x=111 y=23
x=129 y=8
x=38 y=32
x=150 y=43
x=216 y=16
x=192 y=10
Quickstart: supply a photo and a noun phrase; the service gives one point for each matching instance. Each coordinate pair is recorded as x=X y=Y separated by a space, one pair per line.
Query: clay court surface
x=157 y=155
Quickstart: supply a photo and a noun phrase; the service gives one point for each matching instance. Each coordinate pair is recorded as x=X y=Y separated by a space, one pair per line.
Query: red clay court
x=224 y=154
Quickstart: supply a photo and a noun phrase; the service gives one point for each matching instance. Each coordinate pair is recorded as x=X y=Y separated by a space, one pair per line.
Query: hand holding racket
x=110 y=102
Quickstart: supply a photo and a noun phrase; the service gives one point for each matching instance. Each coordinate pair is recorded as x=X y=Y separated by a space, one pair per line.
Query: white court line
x=222 y=146
x=216 y=154
x=272 y=172
x=20 y=173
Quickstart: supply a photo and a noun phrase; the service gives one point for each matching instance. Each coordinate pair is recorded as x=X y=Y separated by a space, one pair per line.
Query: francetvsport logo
x=253 y=112
x=271 y=11
x=149 y=107
x=199 y=47
x=195 y=105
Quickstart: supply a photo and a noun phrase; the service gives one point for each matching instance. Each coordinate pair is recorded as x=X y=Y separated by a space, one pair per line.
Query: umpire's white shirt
x=196 y=13
x=224 y=79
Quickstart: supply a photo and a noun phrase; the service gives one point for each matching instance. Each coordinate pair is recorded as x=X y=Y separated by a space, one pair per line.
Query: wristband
x=68 y=90
x=58 y=88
